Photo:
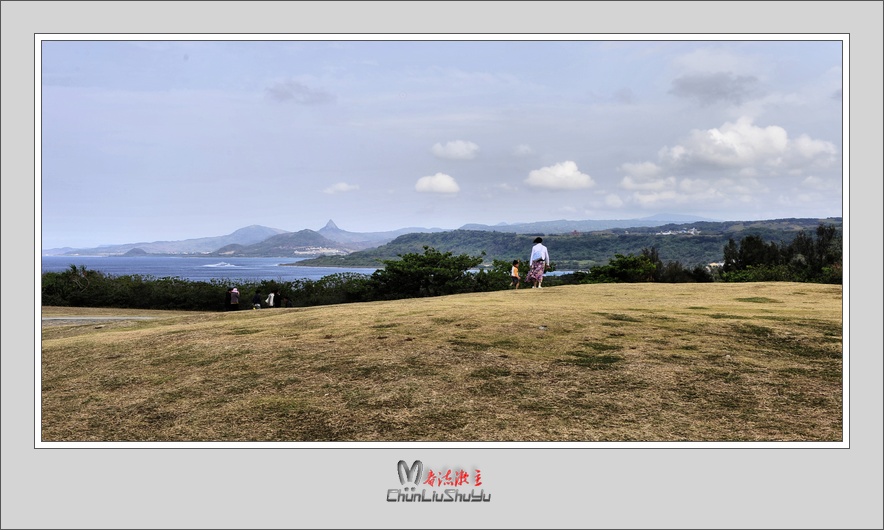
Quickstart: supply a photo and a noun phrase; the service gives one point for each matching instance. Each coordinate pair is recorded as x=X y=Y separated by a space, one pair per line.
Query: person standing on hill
x=227 y=297
x=234 y=299
x=538 y=261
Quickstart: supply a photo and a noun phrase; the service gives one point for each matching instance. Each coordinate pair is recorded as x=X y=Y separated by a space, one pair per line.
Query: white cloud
x=563 y=176
x=438 y=183
x=733 y=145
x=747 y=147
x=808 y=148
x=456 y=150
x=644 y=176
x=340 y=187
x=734 y=164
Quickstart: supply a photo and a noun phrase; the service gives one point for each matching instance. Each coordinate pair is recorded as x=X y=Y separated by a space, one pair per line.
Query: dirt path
x=71 y=320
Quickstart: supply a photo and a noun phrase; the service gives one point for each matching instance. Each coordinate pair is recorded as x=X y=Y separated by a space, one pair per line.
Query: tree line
x=815 y=257
x=693 y=243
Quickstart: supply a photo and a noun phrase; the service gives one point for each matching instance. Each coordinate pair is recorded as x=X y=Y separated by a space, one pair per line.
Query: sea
x=198 y=268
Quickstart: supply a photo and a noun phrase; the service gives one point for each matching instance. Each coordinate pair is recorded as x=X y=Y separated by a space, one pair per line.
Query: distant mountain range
x=330 y=240
x=564 y=226
x=254 y=241
x=203 y=245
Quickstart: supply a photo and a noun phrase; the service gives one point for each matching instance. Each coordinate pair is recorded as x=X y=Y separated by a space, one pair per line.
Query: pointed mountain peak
x=330 y=225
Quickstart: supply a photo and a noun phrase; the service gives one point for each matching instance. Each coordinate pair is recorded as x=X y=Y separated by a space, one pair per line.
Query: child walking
x=514 y=274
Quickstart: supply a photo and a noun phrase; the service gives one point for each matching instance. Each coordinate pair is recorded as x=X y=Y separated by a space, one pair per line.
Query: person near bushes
x=538 y=262
x=514 y=274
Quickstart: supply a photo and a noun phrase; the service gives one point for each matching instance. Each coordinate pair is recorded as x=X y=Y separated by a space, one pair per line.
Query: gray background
x=531 y=488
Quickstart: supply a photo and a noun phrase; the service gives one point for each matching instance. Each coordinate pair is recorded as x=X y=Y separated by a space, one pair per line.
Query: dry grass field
x=613 y=363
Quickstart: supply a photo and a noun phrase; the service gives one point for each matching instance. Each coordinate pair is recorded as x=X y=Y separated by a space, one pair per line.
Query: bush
x=432 y=273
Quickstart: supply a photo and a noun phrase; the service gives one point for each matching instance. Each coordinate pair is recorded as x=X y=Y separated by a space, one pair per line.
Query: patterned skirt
x=536 y=271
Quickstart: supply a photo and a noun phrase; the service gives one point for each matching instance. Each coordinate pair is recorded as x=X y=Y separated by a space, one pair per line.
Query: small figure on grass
x=514 y=275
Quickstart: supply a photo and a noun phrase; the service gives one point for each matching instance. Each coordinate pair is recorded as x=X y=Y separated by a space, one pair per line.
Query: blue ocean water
x=196 y=268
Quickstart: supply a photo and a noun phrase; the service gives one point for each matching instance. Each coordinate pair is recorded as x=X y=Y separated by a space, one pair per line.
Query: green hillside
x=689 y=244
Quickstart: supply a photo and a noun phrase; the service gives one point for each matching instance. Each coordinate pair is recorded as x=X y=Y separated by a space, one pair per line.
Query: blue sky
x=166 y=140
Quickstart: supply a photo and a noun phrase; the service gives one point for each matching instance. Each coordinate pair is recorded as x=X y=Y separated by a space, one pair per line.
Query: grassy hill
x=605 y=362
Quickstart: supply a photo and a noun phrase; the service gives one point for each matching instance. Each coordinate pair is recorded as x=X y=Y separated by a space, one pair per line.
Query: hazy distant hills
x=364 y=240
x=347 y=248
x=254 y=241
x=203 y=245
x=301 y=244
x=564 y=226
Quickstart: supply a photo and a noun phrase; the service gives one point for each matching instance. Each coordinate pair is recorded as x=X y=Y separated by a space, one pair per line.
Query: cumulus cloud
x=456 y=150
x=562 y=176
x=438 y=183
x=733 y=164
x=708 y=89
x=295 y=92
x=340 y=187
x=807 y=148
x=745 y=145
x=645 y=176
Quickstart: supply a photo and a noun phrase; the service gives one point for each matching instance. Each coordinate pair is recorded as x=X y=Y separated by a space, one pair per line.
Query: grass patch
x=728 y=316
x=790 y=344
x=600 y=346
x=595 y=362
x=759 y=300
x=619 y=317
x=244 y=331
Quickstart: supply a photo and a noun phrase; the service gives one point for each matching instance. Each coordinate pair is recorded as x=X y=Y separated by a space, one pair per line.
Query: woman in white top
x=539 y=260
